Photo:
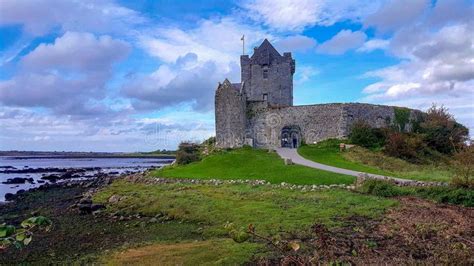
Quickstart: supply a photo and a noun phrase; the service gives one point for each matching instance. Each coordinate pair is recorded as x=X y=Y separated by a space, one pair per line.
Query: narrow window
x=265 y=73
x=265 y=97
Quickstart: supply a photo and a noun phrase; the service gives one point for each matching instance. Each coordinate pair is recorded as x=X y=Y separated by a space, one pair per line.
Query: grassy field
x=272 y=211
x=247 y=163
x=374 y=162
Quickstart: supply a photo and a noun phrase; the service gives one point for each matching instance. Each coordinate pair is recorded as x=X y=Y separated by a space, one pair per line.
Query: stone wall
x=314 y=122
x=278 y=85
x=230 y=116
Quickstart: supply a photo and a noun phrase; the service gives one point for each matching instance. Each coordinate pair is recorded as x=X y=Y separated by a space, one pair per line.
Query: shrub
x=364 y=135
x=188 y=152
x=404 y=146
x=380 y=188
x=442 y=194
x=441 y=132
x=464 y=167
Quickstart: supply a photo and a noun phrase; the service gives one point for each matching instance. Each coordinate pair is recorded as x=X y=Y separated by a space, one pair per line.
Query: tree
x=442 y=132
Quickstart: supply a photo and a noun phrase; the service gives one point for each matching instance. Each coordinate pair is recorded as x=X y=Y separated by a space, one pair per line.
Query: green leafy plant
x=242 y=234
x=402 y=117
x=20 y=237
x=364 y=135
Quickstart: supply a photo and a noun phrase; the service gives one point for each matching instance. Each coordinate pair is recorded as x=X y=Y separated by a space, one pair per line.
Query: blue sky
x=140 y=75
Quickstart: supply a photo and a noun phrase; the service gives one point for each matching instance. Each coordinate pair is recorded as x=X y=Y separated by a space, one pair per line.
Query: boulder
x=9 y=196
x=288 y=161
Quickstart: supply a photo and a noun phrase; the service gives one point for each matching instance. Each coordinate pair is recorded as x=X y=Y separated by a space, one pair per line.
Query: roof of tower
x=265 y=53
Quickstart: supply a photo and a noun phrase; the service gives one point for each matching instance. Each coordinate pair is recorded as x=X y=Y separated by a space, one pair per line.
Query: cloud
x=374 y=44
x=296 y=43
x=68 y=76
x=38 y=17
x=211 y=40
x=172 y=85
x=305 y=73
x=343 y=41
x=437 y=67
x=296 y=15
x=396 y=13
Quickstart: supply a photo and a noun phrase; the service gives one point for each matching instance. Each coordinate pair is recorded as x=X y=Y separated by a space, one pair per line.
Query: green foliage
x=405 y=146
x=402 y=118
x=442 y=194
x=188 y=152
x=441 y=132
x=364 y=135
x=10 y=235
x=248 y=163
x=464 y=165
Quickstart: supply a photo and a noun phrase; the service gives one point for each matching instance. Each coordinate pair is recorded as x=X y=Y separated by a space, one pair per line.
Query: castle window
x=265 y=97
x=265 y=73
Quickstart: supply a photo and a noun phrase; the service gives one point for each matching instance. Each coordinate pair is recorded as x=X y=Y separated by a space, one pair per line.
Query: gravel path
x=298 y=159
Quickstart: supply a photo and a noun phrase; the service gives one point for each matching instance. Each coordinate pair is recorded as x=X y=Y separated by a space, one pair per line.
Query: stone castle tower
x=259 y=111
x=268 y=76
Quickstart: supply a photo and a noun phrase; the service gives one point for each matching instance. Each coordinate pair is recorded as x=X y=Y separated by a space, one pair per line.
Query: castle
x=259 y=111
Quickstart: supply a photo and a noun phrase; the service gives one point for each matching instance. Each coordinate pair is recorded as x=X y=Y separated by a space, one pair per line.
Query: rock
x=85 y=208
x=50 y=178
x=288 y=161
x=9 y=196
x=18 y=180
x=153 y=220
x=85 y=201
x=114 y=199
x=95 y=207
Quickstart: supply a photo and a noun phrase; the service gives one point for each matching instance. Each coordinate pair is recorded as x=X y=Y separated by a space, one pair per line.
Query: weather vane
x=243 y=44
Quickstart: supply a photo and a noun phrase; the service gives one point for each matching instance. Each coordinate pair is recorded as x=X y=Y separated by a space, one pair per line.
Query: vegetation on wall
x=402 y=118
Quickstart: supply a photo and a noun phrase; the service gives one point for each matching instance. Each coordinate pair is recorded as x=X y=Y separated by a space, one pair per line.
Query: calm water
x=106 y=165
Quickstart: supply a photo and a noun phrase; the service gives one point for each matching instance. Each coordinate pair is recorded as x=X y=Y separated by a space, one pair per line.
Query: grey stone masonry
x=268 y=76
x=259 y=111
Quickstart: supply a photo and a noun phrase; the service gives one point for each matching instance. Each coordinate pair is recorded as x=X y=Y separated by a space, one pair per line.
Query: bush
x=441 y=132
x=442 y=194
x=404 y=146
x=364 y=135
x=380 y=188
x=188 y=152
x=464 y=167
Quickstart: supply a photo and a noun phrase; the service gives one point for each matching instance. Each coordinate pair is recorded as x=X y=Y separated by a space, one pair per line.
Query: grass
x=446 y=194
x=208 y=252
x=374 y=162
x=247 y=163
x=272 y=212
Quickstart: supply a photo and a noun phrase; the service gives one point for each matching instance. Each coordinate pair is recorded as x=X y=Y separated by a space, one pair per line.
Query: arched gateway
x=290 y=137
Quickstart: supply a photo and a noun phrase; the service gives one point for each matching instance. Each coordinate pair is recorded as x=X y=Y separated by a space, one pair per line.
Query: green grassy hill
x=247 y=163
x=374 y=162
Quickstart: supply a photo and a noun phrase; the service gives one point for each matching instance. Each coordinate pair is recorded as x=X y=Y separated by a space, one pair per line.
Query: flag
x=243 y=36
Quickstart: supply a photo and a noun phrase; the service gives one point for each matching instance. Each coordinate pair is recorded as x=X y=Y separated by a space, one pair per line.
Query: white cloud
x=343 y=41
x=66 y=76
x=212 y=40
x=295 y=43
x=374 y=44
x=305 y=73
x=397 y=13
x=437 y=67
x=40 y=16
x=295 y=15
